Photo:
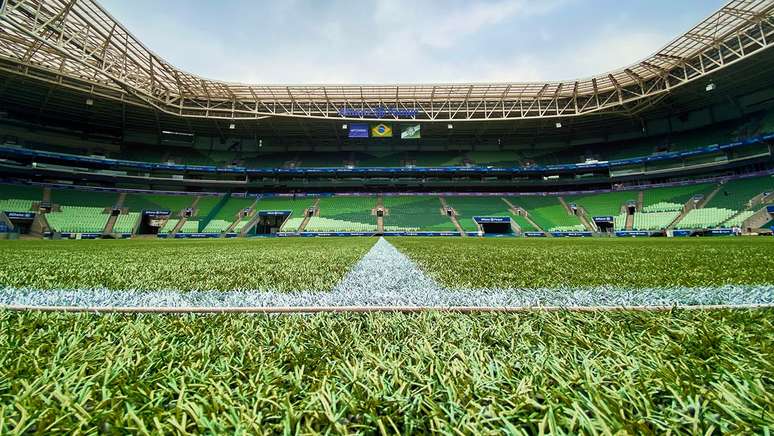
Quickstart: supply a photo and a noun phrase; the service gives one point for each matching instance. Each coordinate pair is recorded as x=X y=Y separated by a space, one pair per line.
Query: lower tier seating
x=739 y=219
x=705 y=218
x=217 y=226
x=654 y=221
x=126 y=223
x=78 y=219
x=415 y=214
x=169 y=226
x=292 y=224
x=548 y=213
x=16 y=205
x=320 y=224
x=190 y=226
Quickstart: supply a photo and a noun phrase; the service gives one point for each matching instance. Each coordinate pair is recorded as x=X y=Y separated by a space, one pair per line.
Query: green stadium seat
x=126 y=223
x=78 y=219
x=414 y=214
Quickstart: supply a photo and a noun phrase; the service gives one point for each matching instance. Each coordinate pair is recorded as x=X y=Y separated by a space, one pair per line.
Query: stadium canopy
x=78 y=45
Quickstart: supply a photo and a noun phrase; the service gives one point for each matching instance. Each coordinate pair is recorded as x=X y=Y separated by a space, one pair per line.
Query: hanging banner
x=411 y=132
x=358 y=130
x=381 y=131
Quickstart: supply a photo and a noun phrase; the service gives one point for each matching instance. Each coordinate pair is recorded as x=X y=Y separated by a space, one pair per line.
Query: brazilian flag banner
x=411 y=132
x=381 y=131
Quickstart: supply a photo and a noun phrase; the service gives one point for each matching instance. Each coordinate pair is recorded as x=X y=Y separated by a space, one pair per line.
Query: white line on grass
x=385 y=279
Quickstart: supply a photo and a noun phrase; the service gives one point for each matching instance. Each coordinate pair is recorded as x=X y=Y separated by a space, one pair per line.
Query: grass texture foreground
x=223 y=265
x=691 y=372
x=627 y=263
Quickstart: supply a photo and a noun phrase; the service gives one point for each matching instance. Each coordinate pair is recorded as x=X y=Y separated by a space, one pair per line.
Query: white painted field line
x=385 y=280
x=382 y=309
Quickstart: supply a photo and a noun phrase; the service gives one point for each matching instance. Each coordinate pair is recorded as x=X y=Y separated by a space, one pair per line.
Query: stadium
x=183 y=254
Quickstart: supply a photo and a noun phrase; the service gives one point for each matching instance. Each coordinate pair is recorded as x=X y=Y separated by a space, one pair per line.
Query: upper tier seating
x=71 y=197
x=672 y=199
x=736 y=194
x=227 y=214
x=344 y=214
x=292 y=224
x=414 y=214
x=607 y=204
x=548 y=213
x=523 y=223
x=469 y=207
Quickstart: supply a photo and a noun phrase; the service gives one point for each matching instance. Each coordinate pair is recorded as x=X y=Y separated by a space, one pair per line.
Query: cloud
x=393 y=41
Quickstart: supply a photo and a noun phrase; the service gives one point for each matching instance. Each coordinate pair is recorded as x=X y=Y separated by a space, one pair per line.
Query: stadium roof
x=78 y=45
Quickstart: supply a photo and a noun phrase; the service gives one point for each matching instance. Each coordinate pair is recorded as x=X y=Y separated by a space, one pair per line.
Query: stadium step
x=758 y=220
x=709 y=197
x=4 y=219
x=46 y=195
x=640 y=201
x=178 y=226
x=687 y=207
x=630 y=221
x=39 y=225
x=515 y=210
x=379 y=219
x=453 y=217
x=251 y=223
x=316 y=206
x=582 y=215
x=111 y=222
x=120 y=202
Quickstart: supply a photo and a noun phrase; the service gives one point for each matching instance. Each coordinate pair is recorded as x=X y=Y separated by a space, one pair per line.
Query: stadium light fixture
x=450 y=126
x=343 y=127
x=558 y=125
x=710 y=87
x=89 y=102
x=232 y=126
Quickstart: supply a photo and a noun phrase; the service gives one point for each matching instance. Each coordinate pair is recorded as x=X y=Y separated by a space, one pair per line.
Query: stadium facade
x=84 y=103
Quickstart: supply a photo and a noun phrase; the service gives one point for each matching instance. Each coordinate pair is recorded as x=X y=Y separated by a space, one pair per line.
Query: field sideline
x=397 y=273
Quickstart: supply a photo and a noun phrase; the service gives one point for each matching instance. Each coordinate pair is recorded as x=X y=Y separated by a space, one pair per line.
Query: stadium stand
x=469 y=207
x=523 y=223
x=80 y=211
x=653 y=220
x=736 y=194
x=174 y=203
x=78 y=219
x=607 y=204
x=169 y=226
x=344 y=214
x=548 y=213
x=72 y=197
x=19 y=198
x=705 y=218
x=190 y=226
x=672 y=199
x=414 y=214
x=224 y=214
x=125 y=223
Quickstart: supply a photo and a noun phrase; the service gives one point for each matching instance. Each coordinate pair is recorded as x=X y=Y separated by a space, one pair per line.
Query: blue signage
x=378 y=112
x=156 y=213
x=535 y=234
x=492 y=219
x=274 y=212
x=572 y=234
x=682 y=233
x=358 y=130
x=631 y=233
x=770 y=209
x=20 y=215
x=604 y=219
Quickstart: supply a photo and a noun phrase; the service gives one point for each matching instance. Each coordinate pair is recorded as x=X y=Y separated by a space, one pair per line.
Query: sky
x=405 y=41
